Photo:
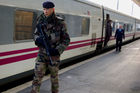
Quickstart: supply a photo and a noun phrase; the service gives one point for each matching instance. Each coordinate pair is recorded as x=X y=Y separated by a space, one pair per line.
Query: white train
x=86 y=26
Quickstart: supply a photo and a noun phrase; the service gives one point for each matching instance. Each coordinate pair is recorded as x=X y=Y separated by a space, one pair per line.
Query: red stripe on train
x=32 y=55
x=17 y=58
x=17 y=51
x=77 y=46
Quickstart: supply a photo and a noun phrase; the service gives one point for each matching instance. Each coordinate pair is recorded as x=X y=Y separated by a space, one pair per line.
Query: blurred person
x=108 y=30
x=119 y=35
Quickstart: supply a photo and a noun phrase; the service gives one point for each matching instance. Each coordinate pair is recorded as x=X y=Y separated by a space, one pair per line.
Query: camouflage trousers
x=40 y=69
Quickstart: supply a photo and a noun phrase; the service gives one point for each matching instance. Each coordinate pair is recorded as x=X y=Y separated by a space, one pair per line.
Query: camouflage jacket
x=56 y=31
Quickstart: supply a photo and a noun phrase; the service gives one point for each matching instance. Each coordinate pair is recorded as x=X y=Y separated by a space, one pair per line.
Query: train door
x=100 y=43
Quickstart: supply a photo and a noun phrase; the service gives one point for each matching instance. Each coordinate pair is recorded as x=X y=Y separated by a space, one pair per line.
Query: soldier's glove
x=39 y=41
x=53 y=52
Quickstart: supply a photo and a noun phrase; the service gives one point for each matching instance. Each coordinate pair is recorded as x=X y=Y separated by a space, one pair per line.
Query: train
x=85 y=22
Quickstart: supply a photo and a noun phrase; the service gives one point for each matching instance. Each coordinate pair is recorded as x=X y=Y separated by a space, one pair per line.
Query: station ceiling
x=137 y=2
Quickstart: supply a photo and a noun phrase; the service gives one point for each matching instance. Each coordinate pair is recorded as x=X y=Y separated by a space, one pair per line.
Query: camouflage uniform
x=58 y=38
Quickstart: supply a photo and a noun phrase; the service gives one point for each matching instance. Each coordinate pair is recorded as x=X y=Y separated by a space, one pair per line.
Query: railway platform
x=111 y=72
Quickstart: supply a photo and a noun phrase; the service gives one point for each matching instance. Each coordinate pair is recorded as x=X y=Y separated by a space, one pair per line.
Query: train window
x=116 y=25
x=129 y=27
x=76 y=25
x=113 y=26
x=124 y=27
x=23 y=25
x=85 y=26
x=73 y=25
x=138 y=27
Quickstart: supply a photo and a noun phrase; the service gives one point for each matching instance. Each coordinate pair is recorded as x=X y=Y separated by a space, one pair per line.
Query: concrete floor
x=112 y=72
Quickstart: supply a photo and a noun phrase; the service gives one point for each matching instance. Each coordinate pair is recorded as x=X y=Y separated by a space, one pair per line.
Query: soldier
x=119 y=35
x=58 y=40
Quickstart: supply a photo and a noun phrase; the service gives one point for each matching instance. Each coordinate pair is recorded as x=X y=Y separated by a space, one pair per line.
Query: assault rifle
x=45 y=37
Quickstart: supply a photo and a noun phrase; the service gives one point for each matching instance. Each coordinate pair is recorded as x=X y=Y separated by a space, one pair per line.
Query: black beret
x=48 y=4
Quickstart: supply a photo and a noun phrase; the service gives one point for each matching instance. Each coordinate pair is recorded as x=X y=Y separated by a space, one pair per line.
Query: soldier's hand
x=39 y=41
